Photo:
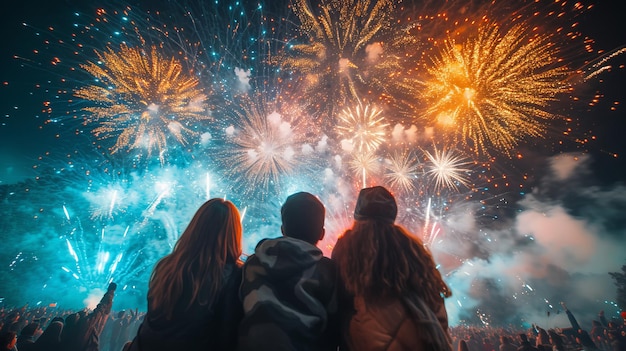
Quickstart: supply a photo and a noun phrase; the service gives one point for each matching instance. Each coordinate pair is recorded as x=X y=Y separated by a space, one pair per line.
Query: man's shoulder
x=326 y=264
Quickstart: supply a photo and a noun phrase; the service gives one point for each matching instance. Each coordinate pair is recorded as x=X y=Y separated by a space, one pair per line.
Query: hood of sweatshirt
x=284 y=257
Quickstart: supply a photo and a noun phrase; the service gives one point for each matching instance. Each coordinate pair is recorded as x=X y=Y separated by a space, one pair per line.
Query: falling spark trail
x=243 y=213
x=113 y=199
x=71 y=250
x=427 y=216
x=67 y=215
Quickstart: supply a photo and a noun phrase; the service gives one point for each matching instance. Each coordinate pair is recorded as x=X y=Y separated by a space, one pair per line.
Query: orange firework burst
x=495 y=88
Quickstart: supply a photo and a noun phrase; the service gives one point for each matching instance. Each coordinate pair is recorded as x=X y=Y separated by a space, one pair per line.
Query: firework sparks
x=364 y=127
x=402 y=170
x=266 y=144
x=447 y=169
x=494 y=90
x=364 y=163
x=142 y=98
x=117 y=223
x=342 y=51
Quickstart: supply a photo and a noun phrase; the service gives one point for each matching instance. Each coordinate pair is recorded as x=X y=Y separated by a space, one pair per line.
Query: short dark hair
x=303 y=215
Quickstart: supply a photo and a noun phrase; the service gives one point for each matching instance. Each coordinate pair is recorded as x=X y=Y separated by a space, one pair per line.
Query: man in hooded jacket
x=289 y=289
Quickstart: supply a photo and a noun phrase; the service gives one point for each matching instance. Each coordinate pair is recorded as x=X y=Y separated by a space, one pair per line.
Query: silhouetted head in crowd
x=51 y=336
x=211 y=240
x=302 y=217
x=376 y=204
x=523 y=338
x=29 y=330
x=8 y=339
x=463 y=346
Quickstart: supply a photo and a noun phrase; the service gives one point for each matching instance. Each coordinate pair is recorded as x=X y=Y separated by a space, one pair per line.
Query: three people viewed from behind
x=380 y=291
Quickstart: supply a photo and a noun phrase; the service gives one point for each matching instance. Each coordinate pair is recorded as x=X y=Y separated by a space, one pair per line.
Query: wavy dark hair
x=383 y=260
x=212 y=239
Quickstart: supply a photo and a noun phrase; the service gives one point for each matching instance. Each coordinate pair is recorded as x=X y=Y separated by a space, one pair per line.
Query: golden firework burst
x=142 y=98
x=344 y=55
x=494 y=89
x=364 y=126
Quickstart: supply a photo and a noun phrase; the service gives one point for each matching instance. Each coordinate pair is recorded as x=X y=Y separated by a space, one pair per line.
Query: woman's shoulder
x=341 y=244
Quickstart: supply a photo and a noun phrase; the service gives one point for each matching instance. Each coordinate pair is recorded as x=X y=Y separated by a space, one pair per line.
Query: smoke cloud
x=559 y=248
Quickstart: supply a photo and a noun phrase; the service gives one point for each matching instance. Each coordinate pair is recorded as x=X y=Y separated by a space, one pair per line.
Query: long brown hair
x=212 y=238
x=383 y=260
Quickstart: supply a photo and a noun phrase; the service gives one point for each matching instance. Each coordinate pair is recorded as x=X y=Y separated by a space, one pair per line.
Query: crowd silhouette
x=380 y=290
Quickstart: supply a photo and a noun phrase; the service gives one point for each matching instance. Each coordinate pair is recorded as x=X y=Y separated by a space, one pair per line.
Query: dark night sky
x=21 y=103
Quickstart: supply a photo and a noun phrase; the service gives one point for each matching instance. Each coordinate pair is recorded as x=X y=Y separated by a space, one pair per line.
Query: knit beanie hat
x=376 y=203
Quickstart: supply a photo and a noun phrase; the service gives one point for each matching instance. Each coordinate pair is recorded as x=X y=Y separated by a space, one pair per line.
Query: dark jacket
x=198 y=327
x=86 y=333
x=391 y=324
x=289 y=294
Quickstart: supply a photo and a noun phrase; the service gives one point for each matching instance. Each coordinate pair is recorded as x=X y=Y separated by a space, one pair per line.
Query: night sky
x=27 y=84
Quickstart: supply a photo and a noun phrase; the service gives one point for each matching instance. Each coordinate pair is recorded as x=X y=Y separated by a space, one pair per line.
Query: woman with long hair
x=394 y=292
x=192 y=297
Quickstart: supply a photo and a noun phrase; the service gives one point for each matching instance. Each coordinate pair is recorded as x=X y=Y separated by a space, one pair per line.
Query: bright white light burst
x=447 y=169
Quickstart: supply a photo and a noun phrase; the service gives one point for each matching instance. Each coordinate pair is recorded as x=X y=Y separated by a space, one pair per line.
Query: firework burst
x=363 y=126
x=268 y=142
x=364 y=163
x=342 y=52
x=494 y=90
x=142 y=98
x=447 y=169
x=402 y=168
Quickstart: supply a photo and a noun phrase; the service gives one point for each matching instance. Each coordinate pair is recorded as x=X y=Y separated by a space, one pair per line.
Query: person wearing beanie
x=289 y=288
x=392 y=292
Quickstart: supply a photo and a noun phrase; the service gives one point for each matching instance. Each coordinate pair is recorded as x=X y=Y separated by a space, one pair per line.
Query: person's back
x=392 y=294
x=192 y=297
x=289 y=288
x=195 y=327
